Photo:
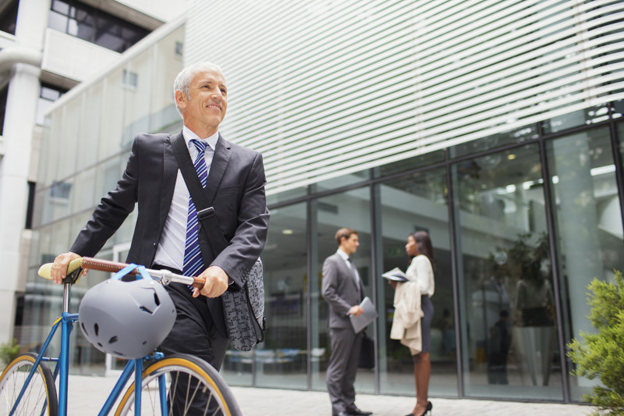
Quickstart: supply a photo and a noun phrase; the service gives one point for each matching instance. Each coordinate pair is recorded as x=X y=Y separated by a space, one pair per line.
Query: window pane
x=60 y=6
x=507 y=322
x=417 y=202
x=281 y=360
x=57 y=22
x=588 y=223
x=111 y=122
x=348 y=209
x=137 y=86
x=495 y=140
x=590 y=115
x=344 y=180
x=273 y=199
x=90 y=126
x=164 y=70
x=410 y=163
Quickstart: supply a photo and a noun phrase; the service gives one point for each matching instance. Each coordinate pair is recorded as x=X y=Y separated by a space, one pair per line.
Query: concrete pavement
x=87 y=394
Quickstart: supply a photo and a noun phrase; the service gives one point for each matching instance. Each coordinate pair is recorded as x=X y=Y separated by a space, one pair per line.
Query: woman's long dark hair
x=423 y=242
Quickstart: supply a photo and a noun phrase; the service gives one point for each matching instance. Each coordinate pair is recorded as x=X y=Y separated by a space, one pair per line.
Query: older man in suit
x=234 y=184
x=343 y=291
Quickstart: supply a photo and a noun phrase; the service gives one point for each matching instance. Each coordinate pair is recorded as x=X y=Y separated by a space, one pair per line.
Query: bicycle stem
x=66 y=297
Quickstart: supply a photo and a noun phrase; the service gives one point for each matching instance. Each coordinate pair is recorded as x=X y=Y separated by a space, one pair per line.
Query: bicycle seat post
x=66 y=296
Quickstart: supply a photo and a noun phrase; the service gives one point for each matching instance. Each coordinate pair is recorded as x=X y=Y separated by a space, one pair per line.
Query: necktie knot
x=199 y=145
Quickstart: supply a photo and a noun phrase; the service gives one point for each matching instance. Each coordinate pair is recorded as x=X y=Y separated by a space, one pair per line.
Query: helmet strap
x=130 y=267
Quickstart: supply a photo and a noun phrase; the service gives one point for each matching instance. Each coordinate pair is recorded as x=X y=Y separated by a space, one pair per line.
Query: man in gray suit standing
x=343 y=290
x=167 y=234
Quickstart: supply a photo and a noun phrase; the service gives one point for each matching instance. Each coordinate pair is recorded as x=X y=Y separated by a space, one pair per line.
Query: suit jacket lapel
x=170 y=173
x=348 y=271
x=220 y=161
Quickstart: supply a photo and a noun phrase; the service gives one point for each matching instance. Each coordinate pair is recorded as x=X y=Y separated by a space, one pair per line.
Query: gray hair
x=185 y=77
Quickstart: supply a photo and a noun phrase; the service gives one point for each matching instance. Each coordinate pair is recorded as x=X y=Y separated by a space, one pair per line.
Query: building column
x=23 y=95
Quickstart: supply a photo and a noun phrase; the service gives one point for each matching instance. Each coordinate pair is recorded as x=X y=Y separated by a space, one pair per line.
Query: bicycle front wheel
x=183 y=385
x=39 y=396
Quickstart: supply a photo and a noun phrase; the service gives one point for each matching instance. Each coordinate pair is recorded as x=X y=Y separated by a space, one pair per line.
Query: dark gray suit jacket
x=340 y=291
x=236 y=190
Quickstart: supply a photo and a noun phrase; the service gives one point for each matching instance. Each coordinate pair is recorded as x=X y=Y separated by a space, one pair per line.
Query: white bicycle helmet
x=126 y=319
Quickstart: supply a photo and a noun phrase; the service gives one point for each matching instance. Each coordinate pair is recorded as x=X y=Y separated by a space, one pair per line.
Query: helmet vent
x=144 y=309
x=84 y=328
x=118 y=353
x=96 y=328
x=113 y=340
x=156 y=300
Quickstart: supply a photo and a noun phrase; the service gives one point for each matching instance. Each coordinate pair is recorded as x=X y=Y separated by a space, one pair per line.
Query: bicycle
x=28 y=386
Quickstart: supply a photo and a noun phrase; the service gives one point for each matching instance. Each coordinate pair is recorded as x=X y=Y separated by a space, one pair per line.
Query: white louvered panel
x=454 y=119
x=328 y=87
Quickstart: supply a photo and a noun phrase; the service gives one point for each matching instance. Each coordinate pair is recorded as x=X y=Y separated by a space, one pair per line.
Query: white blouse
x=421 y=271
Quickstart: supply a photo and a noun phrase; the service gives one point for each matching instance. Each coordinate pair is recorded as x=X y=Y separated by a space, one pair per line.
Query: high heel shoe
x=428 y=409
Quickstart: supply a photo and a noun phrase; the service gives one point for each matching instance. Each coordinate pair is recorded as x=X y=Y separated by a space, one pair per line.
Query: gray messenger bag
x=243 y=308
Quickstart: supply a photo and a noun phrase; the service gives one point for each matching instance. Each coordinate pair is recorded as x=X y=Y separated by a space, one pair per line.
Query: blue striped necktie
x=193 y=262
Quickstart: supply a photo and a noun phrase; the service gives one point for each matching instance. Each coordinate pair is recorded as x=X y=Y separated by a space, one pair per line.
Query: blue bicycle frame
x=66 y=321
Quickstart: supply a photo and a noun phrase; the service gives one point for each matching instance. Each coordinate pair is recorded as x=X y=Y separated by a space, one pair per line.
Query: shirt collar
x=188 y=135
x=342 y=254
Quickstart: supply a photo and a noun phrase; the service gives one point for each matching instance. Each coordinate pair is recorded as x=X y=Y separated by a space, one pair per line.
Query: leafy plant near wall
x=9 y=351
x=601 y=354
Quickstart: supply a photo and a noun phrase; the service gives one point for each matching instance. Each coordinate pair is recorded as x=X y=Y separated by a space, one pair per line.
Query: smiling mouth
x=215 y=106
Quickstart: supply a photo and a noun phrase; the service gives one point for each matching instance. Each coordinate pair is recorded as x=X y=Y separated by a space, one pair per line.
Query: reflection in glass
x=348 y=209
x=493 y=141
x=137 y=88
x=508 y=331
x=410 y=163
x=588 y=223
x=281 y=360
x=167 y=63
x=291 y=194
x=111 y=122
x=340 y=181
x=591 y=115
x=413 y=203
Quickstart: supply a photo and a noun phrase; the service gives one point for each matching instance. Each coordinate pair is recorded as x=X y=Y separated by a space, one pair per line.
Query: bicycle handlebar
x=90 y=263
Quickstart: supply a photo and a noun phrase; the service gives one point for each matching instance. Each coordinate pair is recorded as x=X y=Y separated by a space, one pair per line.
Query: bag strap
x=206 y=215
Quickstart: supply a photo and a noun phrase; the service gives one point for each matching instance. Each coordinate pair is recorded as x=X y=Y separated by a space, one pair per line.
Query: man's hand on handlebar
x=216 y=282
x=59 y=267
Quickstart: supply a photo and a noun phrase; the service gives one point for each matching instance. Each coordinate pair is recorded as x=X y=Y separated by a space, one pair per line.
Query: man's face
x=205 y=109
x=350 y=245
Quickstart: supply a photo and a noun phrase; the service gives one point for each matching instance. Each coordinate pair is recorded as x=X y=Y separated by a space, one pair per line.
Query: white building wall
x=65 y=59
x=325 y=88
x=163 y=10
x=22 y=99
x=72 y=57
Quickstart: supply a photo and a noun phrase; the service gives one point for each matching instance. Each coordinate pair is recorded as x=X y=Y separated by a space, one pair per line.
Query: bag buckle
x=206 y=213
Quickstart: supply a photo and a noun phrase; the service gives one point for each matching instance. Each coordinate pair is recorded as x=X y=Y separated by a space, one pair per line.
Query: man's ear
x=181 y=99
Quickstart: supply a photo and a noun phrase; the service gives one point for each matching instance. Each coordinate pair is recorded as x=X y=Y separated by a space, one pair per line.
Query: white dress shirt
x=170 y=251
x=420 y=271
x=350 y=266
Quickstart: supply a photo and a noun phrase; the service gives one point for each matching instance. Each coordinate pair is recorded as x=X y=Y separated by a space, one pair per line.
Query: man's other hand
x=216 y=282
x=356 y=310
x=59 y=267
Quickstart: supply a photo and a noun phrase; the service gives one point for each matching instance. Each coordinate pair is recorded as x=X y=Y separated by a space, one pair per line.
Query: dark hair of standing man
x=344 y=232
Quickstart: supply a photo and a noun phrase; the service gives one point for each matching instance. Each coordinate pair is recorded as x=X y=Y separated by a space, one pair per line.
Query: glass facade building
x=507 y=154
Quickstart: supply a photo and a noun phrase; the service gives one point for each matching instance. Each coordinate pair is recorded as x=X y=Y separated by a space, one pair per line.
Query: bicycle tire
x=40 y=392
x=219 y=399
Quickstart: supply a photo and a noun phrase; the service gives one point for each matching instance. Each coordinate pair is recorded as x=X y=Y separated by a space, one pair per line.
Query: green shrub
x=601 y=355
x=9 y=351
